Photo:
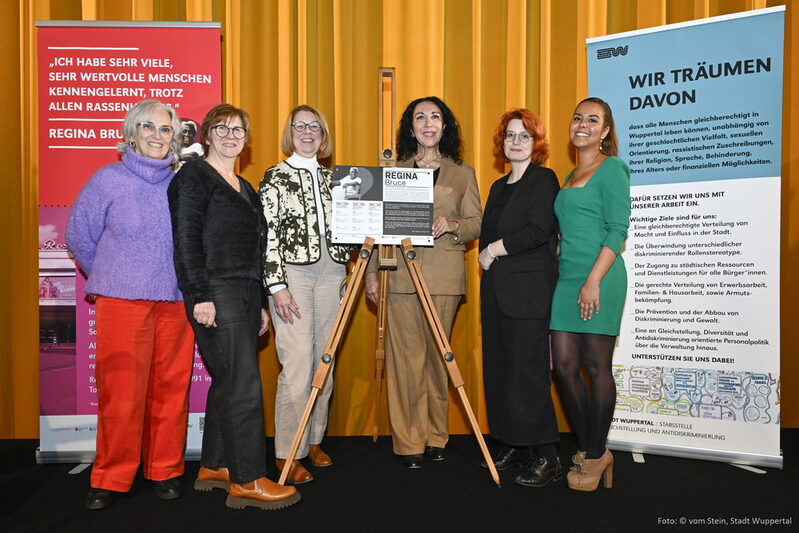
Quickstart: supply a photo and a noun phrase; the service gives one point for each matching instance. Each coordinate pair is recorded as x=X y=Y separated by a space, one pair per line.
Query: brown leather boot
x=261 y=493
x=586 y=476
x=208 y=479
x=318 y=457
x=297 y=475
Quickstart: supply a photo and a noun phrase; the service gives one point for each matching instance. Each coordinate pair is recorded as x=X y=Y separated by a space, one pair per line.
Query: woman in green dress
x=593 y=210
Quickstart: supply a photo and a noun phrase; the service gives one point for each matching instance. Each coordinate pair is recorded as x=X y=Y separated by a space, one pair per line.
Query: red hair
x=532 y=123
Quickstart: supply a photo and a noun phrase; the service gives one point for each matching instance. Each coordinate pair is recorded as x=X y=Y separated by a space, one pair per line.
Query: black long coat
x=516 y=297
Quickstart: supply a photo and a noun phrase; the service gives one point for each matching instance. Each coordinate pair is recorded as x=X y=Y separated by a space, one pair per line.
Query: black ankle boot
x=98 y=499
x=168 y=489
x=509 y=456
x=539 y=472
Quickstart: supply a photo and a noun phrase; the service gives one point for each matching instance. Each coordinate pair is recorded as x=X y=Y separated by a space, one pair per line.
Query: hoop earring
x=132 y=143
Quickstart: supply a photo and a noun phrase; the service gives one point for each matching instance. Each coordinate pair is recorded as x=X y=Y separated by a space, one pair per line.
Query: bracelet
x=455 y=233
x=490 y=253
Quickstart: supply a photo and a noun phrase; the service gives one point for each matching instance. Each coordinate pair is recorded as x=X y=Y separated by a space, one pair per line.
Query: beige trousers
x=315 y=288
x=416 y=380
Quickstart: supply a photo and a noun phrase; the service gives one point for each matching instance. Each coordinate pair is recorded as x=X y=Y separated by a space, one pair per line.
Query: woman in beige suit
x=429 y=137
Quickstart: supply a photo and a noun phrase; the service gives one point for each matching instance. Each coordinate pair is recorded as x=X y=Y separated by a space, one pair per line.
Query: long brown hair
x=610 y=144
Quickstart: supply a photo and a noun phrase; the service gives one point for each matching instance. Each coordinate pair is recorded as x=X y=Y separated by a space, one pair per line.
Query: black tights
x=590 y=413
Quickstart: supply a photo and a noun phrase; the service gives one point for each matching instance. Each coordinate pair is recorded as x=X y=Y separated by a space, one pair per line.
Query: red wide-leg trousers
x=143 y=369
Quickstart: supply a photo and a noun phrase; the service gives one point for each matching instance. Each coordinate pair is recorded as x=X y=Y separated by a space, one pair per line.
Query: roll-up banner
x=698 y=109
x=89 y=75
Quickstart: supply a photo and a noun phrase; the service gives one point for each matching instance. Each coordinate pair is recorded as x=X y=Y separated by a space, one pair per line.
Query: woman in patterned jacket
x=303 y=272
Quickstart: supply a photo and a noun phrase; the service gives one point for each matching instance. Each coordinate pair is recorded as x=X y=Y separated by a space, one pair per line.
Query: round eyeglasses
x=300 y=126
x=222 y=131
x=149 y=129
x=523 y=137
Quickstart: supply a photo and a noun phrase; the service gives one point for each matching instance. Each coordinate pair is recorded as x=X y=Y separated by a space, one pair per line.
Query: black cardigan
x=217 y=233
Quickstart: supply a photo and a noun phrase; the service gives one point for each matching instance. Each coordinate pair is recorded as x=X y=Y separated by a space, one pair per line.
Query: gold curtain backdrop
x=481 y=56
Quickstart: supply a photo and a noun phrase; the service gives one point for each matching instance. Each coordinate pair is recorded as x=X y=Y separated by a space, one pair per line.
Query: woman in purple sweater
x=119 y=231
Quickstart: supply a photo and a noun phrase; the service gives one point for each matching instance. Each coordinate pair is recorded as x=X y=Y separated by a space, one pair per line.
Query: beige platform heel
x=586 y=473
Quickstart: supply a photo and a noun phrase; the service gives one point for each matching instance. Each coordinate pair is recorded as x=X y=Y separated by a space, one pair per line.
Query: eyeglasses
x=149 y=129
x=222 y=131
x=523 y=136
x=300 y=126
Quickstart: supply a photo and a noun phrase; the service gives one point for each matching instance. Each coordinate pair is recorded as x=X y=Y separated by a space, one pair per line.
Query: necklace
x=421 y=161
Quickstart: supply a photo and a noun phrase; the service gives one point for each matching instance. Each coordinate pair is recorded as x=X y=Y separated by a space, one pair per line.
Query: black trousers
x=233 y=435
x=516 y=374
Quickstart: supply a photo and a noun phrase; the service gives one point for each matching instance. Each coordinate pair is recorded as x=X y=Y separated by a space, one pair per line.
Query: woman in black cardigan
x=219 y=233
x=517 y=245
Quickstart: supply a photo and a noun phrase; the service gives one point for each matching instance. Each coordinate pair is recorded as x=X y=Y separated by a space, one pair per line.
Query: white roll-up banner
x=698 y=110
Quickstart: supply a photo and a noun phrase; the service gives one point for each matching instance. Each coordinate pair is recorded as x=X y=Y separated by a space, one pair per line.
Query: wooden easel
x=388 y=262
x=387 y=106
x=342 y=317
x=344 y=312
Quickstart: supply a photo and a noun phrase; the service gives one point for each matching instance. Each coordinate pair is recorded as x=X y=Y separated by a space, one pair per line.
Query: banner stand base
x=84 y=456
x=741 y=458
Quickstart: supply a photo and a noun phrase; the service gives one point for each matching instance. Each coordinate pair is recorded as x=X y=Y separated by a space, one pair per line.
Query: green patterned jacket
x=290 y=210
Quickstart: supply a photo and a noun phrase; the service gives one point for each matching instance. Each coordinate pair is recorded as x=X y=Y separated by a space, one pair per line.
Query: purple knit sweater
x=120 y=231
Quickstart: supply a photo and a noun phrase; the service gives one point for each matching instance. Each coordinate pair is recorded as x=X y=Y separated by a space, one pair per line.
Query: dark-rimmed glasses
x=300 y=126
x=222 y=131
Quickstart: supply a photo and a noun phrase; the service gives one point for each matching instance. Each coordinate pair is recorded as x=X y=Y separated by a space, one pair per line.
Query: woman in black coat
x=517 y=253
x=219 y=232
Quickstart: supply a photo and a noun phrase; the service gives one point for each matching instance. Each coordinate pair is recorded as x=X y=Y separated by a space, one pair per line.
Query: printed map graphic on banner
x=698 y=112
x=89 y=76
x=719 y=395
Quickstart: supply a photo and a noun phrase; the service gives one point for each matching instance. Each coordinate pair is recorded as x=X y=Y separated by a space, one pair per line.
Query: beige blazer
x=456 y=197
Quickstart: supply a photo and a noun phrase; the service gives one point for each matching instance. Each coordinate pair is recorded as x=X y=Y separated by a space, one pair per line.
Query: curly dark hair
x=450 y=144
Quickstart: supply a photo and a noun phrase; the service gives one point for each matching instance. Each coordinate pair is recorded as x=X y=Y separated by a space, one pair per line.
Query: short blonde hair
x=287 y=140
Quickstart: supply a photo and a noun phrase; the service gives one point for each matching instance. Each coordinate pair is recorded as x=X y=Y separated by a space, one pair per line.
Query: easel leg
x=443 y=346
x=342 y=318
x=387 y=256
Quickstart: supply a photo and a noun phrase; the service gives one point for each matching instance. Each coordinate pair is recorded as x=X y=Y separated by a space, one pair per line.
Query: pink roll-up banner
x=89 y=75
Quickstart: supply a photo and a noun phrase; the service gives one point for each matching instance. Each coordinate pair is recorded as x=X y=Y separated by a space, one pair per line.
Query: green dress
x=590 y=217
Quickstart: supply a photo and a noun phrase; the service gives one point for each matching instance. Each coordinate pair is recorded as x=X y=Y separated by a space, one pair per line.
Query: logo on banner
x=606 y=53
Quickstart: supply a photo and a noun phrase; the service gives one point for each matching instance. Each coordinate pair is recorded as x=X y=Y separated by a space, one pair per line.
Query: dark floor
x=367 y=489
